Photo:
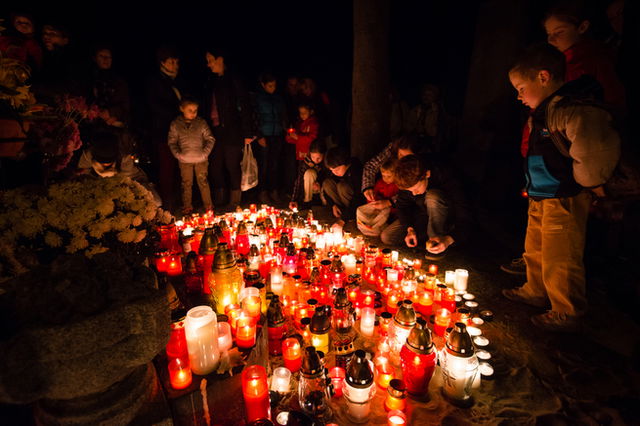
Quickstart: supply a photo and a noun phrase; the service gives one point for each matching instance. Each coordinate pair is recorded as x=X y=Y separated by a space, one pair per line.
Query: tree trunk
x=370 y=93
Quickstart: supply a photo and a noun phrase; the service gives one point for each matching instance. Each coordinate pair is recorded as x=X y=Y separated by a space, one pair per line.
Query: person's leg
x=345 y=194
x=202 y=177
x=274 y=167
x=310 y=177
x=393 y=234
x=233 y=158
x=166 y=167
x=217 y=173
x=438 y=223
x=563 y=237
x=186 y=173
x=330 y=190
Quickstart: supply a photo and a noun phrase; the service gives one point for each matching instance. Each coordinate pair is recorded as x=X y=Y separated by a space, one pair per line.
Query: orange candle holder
x=384 y=372
x=433 y=269
x=255 y=390
x=442 y=320
x=180 y=375
x=292 y=354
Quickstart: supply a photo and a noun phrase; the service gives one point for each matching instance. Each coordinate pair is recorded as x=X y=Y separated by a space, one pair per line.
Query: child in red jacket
x=305 y=132
x=373 y=217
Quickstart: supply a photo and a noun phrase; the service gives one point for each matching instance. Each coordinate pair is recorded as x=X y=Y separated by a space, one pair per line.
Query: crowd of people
x=406 y=195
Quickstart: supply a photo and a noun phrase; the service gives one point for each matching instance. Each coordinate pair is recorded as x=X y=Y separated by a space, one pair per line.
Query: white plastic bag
x=249 y=167
x=372 y=221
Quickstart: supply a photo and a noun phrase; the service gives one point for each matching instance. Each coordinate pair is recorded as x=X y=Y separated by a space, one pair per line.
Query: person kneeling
x=341 y=189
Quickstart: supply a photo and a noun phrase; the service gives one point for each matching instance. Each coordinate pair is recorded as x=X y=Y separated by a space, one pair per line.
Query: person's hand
x=380 y=204
x=437 y=245
x=338 y=225
x=316 y=187
x=293 y=136
x=598 y=191
x=369 y=194
x=336 y=211
x=411 y=240
x=247 y=141
x=293 y=205
x=262 y=142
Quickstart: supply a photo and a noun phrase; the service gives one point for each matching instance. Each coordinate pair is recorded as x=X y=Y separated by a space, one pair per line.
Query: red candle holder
x=292 y=354
x=442 y=320
x=246 y=332
x=337 y=376
x=433 y=269
x=255 y=390
x=180 y=375
x=174 y=265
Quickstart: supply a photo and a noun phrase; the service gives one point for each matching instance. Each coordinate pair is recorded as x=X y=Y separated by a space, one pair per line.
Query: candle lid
x=311 y=364
x=336 y=264
x=386 y=315
x=254 y=251
x=209 y=242
x=320 y=322
x=192 y=262
x=325 y=262
x=419 y=340
x=406 y=315
x=223 y=259
x=459 y=341
x=409 y=273
x=359 y=373
x=242 y=229
x=291 y=250
x=310 y=253
x=275 y=315
x=397 y=388
x=386 y=251
x=341 y=299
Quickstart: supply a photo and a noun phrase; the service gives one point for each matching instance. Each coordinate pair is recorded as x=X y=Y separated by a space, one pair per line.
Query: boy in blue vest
x=573 y=150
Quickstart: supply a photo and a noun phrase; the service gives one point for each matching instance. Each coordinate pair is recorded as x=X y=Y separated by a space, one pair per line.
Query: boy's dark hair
x=318 y=146
x=389 y=165
x=165 y=52
x=337 y=157
x=189 y=100
x=218 y=51
x=571 y=11
x=266 y=77
x=538 y=57
x=409 y=171
x=408 y=142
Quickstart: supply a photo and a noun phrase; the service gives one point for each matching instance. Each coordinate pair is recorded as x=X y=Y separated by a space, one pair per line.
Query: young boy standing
x=572 y=149
x=191 y=142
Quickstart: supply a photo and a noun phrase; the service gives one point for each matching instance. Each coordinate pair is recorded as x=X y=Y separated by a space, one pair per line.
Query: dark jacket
x=163 y=102
x=353 y=178
x=270 y=114
x=231 y=101
x=303 y=166
x=109 y=91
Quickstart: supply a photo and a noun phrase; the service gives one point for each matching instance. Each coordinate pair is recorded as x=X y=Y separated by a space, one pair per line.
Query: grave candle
x=280 y=380
x=367 y=321
x=384 y=371
x=292 y=354
x=460 y=282
x=443 y=317
x=179 y=373
x=201 y=332
x=255 y=391
x=246 y=335
x=277 y=285
x=433 y=269
x=396 y=418
x=337 y=375
x=250 y=301
x=449 y=277
x=174 y=265
x=425 y=304
x=225 y=341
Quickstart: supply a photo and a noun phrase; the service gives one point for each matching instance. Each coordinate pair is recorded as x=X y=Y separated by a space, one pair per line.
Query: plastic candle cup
x=425 y=304
x=460 y=282
x=250 y=301
x=392 y=275
x=481 y=342
x=474 y=331
x=225 y=340
x=433 y=269
x=483 y=355
x=385 y=321
x=472 y=305
x=442 y=319
x=201 y=332
x=179 y=373
x=174 y=265
x=337 y=375
x=384 y=371
x=280 y=380
x=367 y=321
x=396 y=396
x=277 y=285
x=392 y=302
x=396 y=418
x=292 y=354
x=245 y=331
x=368 y=299
x=161 y=260
x=255 y=391
x=449 y=277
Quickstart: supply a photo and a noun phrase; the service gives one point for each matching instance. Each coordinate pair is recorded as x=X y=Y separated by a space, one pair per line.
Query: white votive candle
x=483 y=355
x=201 y=332
x=367 y=321
x=280 y=380
x=449 y=277
x=481 y=341
x=225 y=341
x=276 y=281
x=460 y=282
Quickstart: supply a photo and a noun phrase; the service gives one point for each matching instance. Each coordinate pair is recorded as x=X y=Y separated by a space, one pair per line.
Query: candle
x=201 y=332
x=179 y=373
x=225 y=341
x=161 y=259
x=384 y=371
x=277 y=285
x=417 y=264
x=392 y=302
x=349 y=263
x=483 y=355
x=174 y=265
x=280 y=380
x=396 y=396
x=245 y=331
x=433 y=269
x=485 y=369
x=367 y=321
x=472 y=305
x=368 y=298
x=394 y=256
x=474 y=331
x=460 y=282
x=385 y=321
x=468 y=296
x=392 y=275
x=255 y=391
x=449 y=277
x=443 y=317
x=425 y=304
x=292 y=354
x=250 y=301
x=337 y=375
x=396 y=418
x=481 y=341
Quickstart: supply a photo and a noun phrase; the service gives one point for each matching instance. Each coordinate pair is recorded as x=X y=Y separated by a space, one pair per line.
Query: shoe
x=235 y=198
x=557 y=321
x=517 y=295
x=515 y=267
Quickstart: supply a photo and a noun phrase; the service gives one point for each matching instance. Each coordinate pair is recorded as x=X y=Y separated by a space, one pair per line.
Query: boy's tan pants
x=554 y=247
x=201 y=171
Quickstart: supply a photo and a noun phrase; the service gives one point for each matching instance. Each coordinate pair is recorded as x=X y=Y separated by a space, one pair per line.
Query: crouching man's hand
x=437 y=245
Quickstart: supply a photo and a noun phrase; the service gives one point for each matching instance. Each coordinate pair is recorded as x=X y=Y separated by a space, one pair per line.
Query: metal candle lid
x=397 y=388
x=254 y=251
x=192 y=262
x=320 y=322
x=311 y=364
x=341 y=299
x=419 y=340
x=209 y=242
x=224 y=258
x=406 y=315
x=242 y=228
x=275 y=315
x=359 y=373
x=459 y=342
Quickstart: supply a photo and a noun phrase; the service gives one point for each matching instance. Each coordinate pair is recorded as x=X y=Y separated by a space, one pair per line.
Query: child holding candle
x=311 y=173
x=305 y=131
x=190 y=141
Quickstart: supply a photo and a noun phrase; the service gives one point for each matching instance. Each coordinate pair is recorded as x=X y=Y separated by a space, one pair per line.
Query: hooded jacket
x=190 y=142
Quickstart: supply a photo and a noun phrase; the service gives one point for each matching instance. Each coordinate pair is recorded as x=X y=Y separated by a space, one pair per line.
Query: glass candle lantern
x=174 y=265
x=384 y=371
x=250 y=301
x=459 y=366
x=393 y=298
x=179 y=373
x=277 y=284
x=226 y=279
x=433 y=269
x=161 y=259
x=177 y=344
x=359 y=387
x=342 y=316
x=403 y=322
x=449 y=277
x=460 y=281
x=292 y=354
x=386 y=258
x=255 y=391
x=313 y=393
x=396 y=396
x=193 y=278
x=225 y=339
x=385 y=321
x=319 y=328
x=246 y=331
x=442 y=320
x=425 y=304
x=280 y=380
x=276 y=326
x=396 y=418
x=418 y=358
x=201 y=332
x=169 y=238
x=206 y=251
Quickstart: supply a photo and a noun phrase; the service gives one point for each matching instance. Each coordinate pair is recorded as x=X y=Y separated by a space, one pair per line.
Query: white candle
x=481 y=341
x=485 y=369
x=358 y=401
x=394 y=256
x=201 y=332
x=449 y=277
x=408 y=287
x=460 y=283
x=392 y=275
x=367 y=321
x=349 y=262
x=276 y=281
x=483 y=355
x=280 y=380
x=468 y=296
x=225 y=341
x=320 y=242
x=477 y=321
x=474 y=331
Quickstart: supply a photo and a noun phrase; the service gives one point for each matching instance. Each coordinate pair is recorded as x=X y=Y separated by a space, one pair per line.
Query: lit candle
x=179 y=373
x=349 y=263
x=417 y=264
x=449 y=277
x=368 y=299
x=394 y=256
x=174 y=265
x=481 y=342
x=367 y=321
x=425 y=304
x=460 y=282
x=433 y=269
x=396 y=396
x=392 y=302
x=245 y=331
x=250 y=301
x=277 y=285
x=337 y=375
x=392 y=275
x=384 y=371
x=201 y=332
x=225 y=341
x=483 y=355
x=396 y=418
x=255 y=391
x=474 y=331
x=161 y=261
x=443 y=317
x=280 y=380
x=292 y=354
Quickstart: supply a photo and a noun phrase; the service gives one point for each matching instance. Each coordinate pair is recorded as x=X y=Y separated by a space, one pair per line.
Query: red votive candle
x=292 y=354
x=337 y=375
x=255 y=390
x=443 y=317
x=433 y=269
x=245 y=331
x=174 y=265
x=179 y=373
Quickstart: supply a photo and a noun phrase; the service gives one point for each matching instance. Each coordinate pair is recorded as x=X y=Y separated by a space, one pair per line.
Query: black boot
x=218 y=196
x=234 y=198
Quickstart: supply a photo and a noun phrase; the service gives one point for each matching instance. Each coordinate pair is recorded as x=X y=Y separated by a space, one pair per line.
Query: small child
x=305 y=132
x=374 y=216
x=191 y=142
x=311 y=172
